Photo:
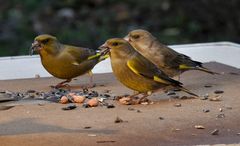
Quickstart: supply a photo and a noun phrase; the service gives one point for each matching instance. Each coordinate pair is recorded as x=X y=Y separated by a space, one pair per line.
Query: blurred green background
x=89 y=23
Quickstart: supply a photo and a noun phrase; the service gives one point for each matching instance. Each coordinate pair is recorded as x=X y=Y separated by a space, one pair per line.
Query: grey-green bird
x=134 y=70
x=64 y=61
x=165 y=58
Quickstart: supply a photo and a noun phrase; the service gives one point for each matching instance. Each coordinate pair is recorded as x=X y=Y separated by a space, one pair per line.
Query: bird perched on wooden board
x=168 y=60
x=135 y=71
x=65 y=61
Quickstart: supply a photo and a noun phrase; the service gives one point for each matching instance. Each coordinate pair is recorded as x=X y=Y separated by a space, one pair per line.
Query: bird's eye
x=115 y=43
x=136 y=36
x=45 y=41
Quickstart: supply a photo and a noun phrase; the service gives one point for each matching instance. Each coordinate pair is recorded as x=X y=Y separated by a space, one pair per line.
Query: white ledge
x=17 y=67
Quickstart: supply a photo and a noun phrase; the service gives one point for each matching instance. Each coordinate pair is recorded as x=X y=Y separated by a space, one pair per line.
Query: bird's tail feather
x=206 y=70
x=200 y=68
x=187 y=91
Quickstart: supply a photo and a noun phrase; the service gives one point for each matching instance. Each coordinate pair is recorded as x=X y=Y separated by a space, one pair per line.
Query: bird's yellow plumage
x=64 y=61
x=134 y=70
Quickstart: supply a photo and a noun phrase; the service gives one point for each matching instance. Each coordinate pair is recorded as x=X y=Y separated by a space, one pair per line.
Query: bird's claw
x=60 y=86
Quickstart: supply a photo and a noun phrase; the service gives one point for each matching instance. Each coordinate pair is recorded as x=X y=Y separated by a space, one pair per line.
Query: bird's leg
x=62 y=84
x=135 y=93
x=91 y=84
x=129 y=99
x=143 y=98
x=178 y=78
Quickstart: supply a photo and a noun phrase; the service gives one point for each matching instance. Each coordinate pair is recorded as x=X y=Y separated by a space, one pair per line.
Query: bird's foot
x=144 y=101
x=87 y=86
x=92 y=85
x=60 y=86
x=133 y=99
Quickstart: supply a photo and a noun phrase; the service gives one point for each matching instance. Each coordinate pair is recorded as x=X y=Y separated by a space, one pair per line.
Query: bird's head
x=138 y=36
x=116 y=46
x=44 y=42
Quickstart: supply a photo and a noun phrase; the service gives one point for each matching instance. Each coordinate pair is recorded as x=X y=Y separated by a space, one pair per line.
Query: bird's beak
x=36 y=46
x=127 y=38
x=104 y=49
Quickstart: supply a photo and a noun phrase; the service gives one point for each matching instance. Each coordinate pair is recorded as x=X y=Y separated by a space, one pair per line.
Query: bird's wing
x=143 y=67
x=180 y=61
x=171 y=57
x=79 y=54
x=174 y=59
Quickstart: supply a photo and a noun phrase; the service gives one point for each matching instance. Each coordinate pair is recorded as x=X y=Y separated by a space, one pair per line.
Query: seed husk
x=215 y=132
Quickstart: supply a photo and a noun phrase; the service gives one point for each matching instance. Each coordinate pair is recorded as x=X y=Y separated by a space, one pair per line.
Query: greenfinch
x=64 y=61
x=169 y=61
x=135 y=71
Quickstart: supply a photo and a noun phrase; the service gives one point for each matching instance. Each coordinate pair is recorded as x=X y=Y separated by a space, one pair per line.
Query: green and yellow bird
x=135 y=71
x=64 y=61
x=169 y=61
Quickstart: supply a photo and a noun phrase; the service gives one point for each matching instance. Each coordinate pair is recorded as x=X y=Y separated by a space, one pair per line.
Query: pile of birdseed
x=91 y=98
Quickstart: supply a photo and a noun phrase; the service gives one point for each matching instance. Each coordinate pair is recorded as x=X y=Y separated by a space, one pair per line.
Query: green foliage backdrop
x=89 y=23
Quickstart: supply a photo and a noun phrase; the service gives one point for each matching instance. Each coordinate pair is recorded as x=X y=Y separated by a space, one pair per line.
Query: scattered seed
x=177 y=105
x=171 y=93
x=85 y=90
x=216 y=98
x=220 y=110
x=199 y=127
x=207 y=86
x=101 y=99
x=176 y=129
x=106 y=95
x=87 y=127
x=145 y=103
x=93 y=102
x=85 y=105
x=206 y=110
x=238 y=133
x=215 y=132
x=205 y=97
x=64 y=100
x=131 y=109
x=70 y=107
x=218 y=92
x=118 y=120
x=220 y=116
x=110 y=106
x=78 y=98
x=138 y=111
x=106 y=141
x=160 y=118
x=92 y=135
